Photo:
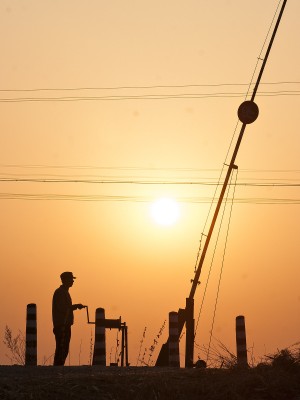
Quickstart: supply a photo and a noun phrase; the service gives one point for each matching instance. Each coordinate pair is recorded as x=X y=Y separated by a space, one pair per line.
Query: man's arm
x=78 y=306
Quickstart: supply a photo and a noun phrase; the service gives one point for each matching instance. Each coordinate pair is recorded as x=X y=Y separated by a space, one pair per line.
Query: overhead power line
x=143 y=182
x=147 y=97
x=139 y=199
x=134 y=92
x=145 y=87
x=138 y=168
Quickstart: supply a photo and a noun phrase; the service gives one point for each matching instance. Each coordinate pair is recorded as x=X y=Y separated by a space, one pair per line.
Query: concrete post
x=174 y=359
x=241 y=344
x=99 y=357
x=31 y=336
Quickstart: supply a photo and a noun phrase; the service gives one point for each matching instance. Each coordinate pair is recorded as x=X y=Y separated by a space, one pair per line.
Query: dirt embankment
x=142 y=383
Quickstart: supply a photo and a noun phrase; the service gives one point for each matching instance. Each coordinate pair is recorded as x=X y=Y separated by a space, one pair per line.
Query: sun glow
x=165 y=211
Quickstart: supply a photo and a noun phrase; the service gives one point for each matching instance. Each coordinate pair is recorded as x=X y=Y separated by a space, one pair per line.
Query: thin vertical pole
x=122 y=345
x=126 y=346
x=190 y=333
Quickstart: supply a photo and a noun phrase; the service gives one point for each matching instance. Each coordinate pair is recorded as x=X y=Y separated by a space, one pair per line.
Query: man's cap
x=67 y=275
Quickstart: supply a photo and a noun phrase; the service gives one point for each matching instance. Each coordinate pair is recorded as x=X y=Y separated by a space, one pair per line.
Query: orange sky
x=124 y=261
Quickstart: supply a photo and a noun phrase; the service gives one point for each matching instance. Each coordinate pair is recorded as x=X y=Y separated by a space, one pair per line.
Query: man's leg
x=59 y=339
x=66 y=343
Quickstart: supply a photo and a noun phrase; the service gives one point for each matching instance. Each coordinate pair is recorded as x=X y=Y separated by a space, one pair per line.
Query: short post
x=31 y=336
x=99 y=357
x=241 y=343
x=174 y=360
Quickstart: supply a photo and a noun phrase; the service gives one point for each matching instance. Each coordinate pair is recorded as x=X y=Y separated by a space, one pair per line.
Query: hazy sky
x=108 y=105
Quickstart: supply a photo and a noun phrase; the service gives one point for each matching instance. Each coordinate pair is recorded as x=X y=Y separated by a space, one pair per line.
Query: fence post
x=241 y=343
x=31 y=336
x=173 y=340
x=99 y=357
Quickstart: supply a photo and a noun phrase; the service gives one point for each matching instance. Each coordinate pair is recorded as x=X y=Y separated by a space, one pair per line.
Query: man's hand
x=78 y=306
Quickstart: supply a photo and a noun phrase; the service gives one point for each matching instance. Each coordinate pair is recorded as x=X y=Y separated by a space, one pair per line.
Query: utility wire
x=222 y=265
x=254 y=92
x=141 y=199
x=147 y=97
x=142 y=182
x=160 y=169
x=262 y=48
x=145 y=87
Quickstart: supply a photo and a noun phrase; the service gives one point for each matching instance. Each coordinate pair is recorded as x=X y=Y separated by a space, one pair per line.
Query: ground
x=143 y=383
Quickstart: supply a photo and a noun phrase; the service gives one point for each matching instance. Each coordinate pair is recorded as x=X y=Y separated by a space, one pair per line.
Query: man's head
x=67 y=278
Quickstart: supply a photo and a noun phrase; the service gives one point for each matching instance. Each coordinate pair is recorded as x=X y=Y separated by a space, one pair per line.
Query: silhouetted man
x=63 y=318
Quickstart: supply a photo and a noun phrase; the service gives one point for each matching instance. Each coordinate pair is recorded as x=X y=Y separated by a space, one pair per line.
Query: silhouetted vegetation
x=287 y=359
x=15 y=345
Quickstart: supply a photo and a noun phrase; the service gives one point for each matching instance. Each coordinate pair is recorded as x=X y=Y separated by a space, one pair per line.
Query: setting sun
x=165 y=211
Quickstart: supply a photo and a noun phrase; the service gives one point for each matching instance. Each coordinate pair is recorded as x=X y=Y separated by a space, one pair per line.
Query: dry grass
x=15 y=345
